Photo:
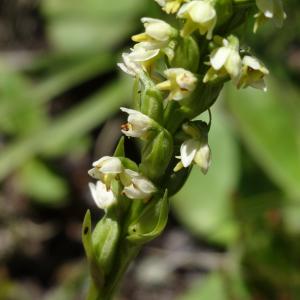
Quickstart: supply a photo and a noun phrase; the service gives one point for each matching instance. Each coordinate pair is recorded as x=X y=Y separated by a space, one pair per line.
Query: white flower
x=139 y=187
x=106 y=169
x=129 y=66
x=158 y=36
x=253 y=72
x=157 y=33
x=200 y=15
x=225 y=60
x=102 y=196
x=138 y=123
x=180 y=82
x=271 y=9
x=139 y=59
x=170 y=6
x=194 y=151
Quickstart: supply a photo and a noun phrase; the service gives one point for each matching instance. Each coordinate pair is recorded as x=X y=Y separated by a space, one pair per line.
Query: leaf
x=204 y=203
x=42 y=185
x=120 y=150
x=19 y=114
x=74 y=124
x=92 y=24
x=210 y=288
x=270 y=131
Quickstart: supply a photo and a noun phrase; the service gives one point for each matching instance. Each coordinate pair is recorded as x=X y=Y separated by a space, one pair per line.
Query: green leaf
x=92 y=24
x=268 y=125
x=42 y=185
x=74 y=124
x=210 y=288
x=120 y=150
x=204 y=203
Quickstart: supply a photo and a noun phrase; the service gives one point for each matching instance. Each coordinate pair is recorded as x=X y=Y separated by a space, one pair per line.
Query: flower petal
x=188 y=151
x=219 y=57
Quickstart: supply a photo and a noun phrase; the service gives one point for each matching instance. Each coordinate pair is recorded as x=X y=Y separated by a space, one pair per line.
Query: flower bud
x=151 y=221
x=180 y=83
x=105 y=240
x=200 y=15
x=157 y=33
x=186 y=54
x=157 y=155
x=152 y=104
x=253 y=72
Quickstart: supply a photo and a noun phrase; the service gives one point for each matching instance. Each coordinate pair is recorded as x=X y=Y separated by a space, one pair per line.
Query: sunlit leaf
x=270 y=131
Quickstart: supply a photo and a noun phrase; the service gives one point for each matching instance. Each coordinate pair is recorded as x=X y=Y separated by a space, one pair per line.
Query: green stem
x=244 y=3
x=117 y=273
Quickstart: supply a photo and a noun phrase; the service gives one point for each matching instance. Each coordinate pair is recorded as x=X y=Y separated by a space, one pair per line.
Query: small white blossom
x=106 y=169
x=140 y=187
x=200 y=15
x=138 y=123
x=271 y=9
x=170 y=6
x=253 y=72
x=103 y=197
x=194 y=151
x=139 y=59
x=180 y=82
x=225 y=60
x=157 y=33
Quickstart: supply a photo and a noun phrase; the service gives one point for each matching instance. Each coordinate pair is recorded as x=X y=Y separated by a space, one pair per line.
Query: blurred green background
x=233 y=234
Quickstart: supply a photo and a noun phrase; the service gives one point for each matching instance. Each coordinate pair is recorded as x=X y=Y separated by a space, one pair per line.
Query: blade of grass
x=74 y=123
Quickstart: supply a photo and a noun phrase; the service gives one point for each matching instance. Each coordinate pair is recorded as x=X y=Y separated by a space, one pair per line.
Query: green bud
x=186 y=55
x=152 y=104
x=151 y=222
x=156 y=155
x=105 y=240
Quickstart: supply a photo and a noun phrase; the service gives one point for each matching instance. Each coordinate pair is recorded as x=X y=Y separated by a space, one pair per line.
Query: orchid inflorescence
x=179 y=70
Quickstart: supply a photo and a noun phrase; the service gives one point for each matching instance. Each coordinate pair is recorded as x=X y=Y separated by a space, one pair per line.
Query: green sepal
x=152 y=104
x=151 y=222
x=186 y=55
x=105 y=239
x=120 y=150
x=156 y=155
x=96 y=270
x=224 y=9
x=202 y=99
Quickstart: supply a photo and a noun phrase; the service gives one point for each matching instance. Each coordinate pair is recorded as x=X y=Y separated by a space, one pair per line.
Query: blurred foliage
x=52 y=104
